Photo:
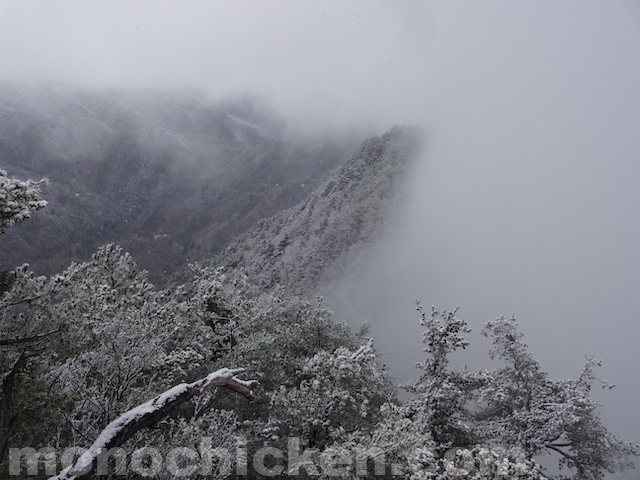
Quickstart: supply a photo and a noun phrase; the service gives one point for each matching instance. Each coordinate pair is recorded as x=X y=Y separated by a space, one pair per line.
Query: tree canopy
x=18 y=199
x=96 y=356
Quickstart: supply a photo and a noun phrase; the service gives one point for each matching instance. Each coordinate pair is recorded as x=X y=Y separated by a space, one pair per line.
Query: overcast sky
x=526 y=199
x=341 y=60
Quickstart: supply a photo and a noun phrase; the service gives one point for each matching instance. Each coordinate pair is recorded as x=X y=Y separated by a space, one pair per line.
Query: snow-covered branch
x=149 y=413
x=32 y=338
x=18 y=199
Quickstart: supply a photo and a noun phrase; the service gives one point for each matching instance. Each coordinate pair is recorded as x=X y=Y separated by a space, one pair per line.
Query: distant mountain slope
x=169 y=175
x=306 y=246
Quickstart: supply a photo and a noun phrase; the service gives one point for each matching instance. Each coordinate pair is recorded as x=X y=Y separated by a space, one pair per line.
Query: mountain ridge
x=307 y=246
x=172 y=176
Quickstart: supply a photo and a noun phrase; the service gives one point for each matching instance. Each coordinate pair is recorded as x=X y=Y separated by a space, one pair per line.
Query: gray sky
x=329 y=61
x=526 y=199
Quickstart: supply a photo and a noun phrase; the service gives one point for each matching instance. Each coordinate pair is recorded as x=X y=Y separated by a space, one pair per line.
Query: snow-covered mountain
x=171 y=176
x=307 y=246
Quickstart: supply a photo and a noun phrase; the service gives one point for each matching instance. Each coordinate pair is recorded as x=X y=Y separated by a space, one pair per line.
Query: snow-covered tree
x=339 y=392
x=442 y=394
x=521 y=406
x=124 y=341
x=18 y=199
x=483 y=463
x=21 y=334
x=397 y=447
x=516 y=406
x=268 y=328
x=320 y=381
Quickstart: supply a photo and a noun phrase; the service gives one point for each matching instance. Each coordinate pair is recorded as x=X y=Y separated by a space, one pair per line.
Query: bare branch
x=561 y=452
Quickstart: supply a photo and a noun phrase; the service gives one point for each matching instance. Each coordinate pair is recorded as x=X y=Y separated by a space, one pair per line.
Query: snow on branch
x=151 y=412
x=18 y=199
x=21 y=340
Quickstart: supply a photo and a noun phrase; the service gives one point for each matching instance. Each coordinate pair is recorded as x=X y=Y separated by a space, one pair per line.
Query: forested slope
x=309 y=244
x=171 y=176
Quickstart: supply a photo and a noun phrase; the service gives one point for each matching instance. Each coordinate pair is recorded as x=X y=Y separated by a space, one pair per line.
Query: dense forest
x=233 y=367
